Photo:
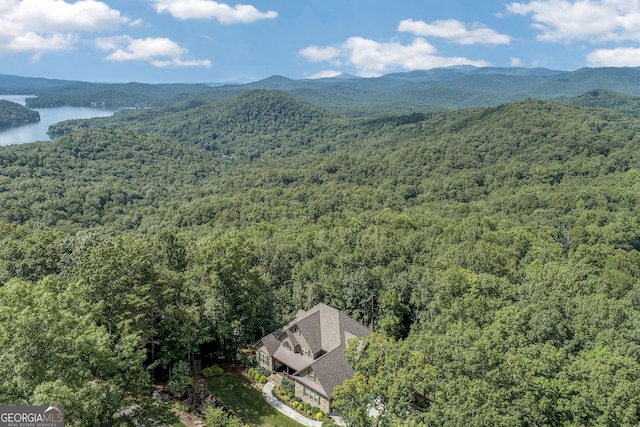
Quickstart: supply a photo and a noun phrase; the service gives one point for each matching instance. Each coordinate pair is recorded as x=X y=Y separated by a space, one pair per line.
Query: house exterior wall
x=323 y=404
x=269 y=360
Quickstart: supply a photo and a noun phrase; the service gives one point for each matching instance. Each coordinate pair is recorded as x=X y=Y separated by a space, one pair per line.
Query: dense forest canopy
x=12 y=114
x=493 y=250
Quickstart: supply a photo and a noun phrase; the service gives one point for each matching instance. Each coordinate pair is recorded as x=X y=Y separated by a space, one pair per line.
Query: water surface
x=38 y=131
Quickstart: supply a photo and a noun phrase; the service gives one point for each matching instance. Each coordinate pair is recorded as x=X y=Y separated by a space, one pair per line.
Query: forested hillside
x=494 y=251
x=137 y=95
x=12 y=114
x=602 y=98
x=415 y=91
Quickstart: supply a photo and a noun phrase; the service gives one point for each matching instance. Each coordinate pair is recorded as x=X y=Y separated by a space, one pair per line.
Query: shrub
x=248 y=360
x=255 y=374
x=307 y=406
x=262 y=379
x=288 y=386
x=212 y=371
x=217 y=417
x=319 y=416
x=309 y=413
x=180 y=383
x=263 y=371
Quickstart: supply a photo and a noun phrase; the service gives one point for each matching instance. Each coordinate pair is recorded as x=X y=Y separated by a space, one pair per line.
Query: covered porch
x=288 y=362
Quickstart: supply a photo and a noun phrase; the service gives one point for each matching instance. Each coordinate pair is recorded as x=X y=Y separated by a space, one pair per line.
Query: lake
x=48 y=116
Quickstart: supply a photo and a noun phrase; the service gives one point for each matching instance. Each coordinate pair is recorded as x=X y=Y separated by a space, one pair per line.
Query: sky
x=190 y=41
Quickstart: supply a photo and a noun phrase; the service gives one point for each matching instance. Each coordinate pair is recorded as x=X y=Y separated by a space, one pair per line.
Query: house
x=310 y=349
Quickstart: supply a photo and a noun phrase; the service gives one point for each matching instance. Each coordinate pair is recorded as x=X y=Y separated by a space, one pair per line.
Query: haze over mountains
x=452 y=87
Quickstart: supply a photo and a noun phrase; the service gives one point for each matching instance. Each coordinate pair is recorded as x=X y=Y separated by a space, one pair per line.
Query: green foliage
x=602 y=98
x=394 y=397
x=212 y=371
x=53 y=352
x=494 y=251
x=217 y=417
x=259 y=375
x=12 y=114
x=247 y=402
x=180 y=383
x=263 y=371
x=288 y=386
x=328 y=422
x=138 y=95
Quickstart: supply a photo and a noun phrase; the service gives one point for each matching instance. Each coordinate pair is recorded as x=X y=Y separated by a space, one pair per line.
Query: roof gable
x=326 y=330
x=311 y=331
x=323 y=327
x=271 y=341
x=331 y=370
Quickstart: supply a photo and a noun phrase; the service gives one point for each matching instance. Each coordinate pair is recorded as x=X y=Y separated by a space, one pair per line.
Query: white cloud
x=319 y=54
x=37 y=44
x=455 y=31
x=40 y=26
x=48 y=16
x=619 y=57
x=596 y=21
x=207 y=9
x=516 y=62
x=158 y=51
x=372 y=58
x=325 y=74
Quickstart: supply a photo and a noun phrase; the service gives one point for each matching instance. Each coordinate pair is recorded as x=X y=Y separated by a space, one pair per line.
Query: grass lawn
x=247 y=402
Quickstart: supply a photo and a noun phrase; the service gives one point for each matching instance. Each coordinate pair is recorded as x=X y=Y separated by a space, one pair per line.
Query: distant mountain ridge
x=418 y=90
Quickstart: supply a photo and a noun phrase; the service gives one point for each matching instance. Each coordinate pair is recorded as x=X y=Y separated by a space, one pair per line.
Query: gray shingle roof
x=331 y=370
x=271 y=341
x=347 y=324
x=292 y=337
x=310 y=330
x=326 y=330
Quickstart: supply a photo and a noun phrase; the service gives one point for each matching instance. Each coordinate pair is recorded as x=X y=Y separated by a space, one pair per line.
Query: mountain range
x=419 y=90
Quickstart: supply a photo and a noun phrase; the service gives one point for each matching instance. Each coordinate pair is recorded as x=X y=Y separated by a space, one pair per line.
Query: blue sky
x=209 y=41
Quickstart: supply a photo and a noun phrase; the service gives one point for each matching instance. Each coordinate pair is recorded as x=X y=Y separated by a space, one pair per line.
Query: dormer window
x=296 y=330
x=312 y=374
x=287 y=345
x=304 y=350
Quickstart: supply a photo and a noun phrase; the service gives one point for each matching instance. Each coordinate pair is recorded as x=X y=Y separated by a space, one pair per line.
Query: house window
x=264 y=358
x=304 y=350
x=312 y=374
x=287 y=345
x=315 y=397
x=296 y=330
